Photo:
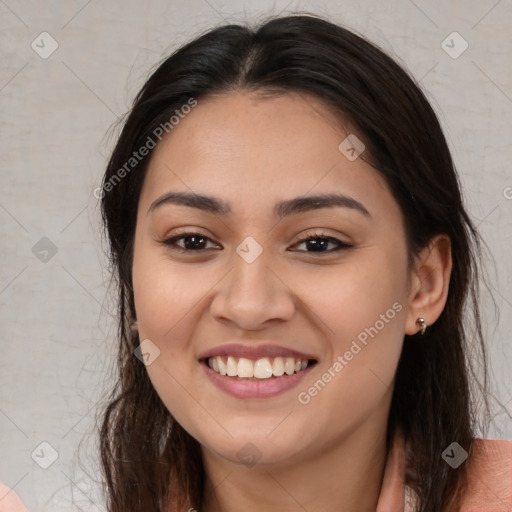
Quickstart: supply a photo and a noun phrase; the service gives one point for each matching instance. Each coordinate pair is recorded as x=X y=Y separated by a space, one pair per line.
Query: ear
x=429 y=281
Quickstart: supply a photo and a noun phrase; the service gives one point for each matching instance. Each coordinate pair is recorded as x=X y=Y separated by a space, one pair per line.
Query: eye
x=318 y=243
x=193 y=242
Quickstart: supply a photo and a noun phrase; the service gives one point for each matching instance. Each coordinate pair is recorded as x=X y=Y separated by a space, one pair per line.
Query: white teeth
x=221 y=364
x=289 y=365
x=278 y=367
x=245 y=367
x=231 y=367
x=263 y=368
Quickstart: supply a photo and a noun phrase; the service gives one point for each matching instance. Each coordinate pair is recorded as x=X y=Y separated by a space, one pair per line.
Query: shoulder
x=9 y=500
x=489 y=477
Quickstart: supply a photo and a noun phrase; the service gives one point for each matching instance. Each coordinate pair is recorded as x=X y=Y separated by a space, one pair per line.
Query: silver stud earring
x=420 y=322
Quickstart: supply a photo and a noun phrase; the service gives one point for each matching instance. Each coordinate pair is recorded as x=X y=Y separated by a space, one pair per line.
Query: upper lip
x=254 y=351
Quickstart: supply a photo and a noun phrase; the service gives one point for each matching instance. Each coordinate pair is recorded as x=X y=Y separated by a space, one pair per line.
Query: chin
x=251 y=449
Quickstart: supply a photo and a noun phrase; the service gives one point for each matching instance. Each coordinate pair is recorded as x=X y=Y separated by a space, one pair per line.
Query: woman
x=293 y=260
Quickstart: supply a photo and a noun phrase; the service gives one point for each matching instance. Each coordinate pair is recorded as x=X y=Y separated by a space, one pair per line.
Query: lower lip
x=263 y=388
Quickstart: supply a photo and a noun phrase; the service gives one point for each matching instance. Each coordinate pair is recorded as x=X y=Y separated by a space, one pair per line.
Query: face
x=241 y=284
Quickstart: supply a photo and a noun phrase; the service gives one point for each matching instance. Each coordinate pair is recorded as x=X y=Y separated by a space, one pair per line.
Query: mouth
x=243 y=368
x=262 y=378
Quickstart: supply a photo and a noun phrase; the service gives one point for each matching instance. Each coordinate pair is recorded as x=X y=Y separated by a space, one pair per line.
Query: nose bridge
x=251 y=282
x=251 y=268
x=251 y=294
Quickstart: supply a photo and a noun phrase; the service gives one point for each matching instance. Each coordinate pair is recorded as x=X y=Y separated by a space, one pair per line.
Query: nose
x=253 y=295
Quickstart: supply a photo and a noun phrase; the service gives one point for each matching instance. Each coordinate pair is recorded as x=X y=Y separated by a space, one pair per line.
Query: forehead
x=248 y=148
x=237 y=123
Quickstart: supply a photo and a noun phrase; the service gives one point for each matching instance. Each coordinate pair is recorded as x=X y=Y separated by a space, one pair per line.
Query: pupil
x=317 y=244
x=193 y=245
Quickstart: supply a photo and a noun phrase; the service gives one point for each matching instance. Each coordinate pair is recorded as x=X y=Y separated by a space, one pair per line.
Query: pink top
x=489 y=486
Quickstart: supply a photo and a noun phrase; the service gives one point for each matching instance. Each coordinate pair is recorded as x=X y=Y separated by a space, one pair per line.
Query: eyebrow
x=282 y=209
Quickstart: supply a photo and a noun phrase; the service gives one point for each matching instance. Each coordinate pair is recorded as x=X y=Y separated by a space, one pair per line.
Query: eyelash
x=170 y=242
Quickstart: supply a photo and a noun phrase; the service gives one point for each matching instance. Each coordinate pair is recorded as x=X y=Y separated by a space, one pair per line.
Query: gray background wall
x=57 y=110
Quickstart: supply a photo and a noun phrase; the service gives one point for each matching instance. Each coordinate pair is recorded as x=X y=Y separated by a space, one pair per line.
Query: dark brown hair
x=149 y=460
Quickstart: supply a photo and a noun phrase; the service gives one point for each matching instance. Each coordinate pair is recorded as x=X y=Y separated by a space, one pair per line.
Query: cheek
x=166 y=294
x=363 y=316
x=351 y=298
x=167 y=301
x=170 y=299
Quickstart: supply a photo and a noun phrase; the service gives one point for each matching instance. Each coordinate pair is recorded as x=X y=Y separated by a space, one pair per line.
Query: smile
x=276 y=375
x=263 y=368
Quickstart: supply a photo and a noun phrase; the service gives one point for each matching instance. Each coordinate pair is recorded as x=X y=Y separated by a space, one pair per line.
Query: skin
x=252 y=152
